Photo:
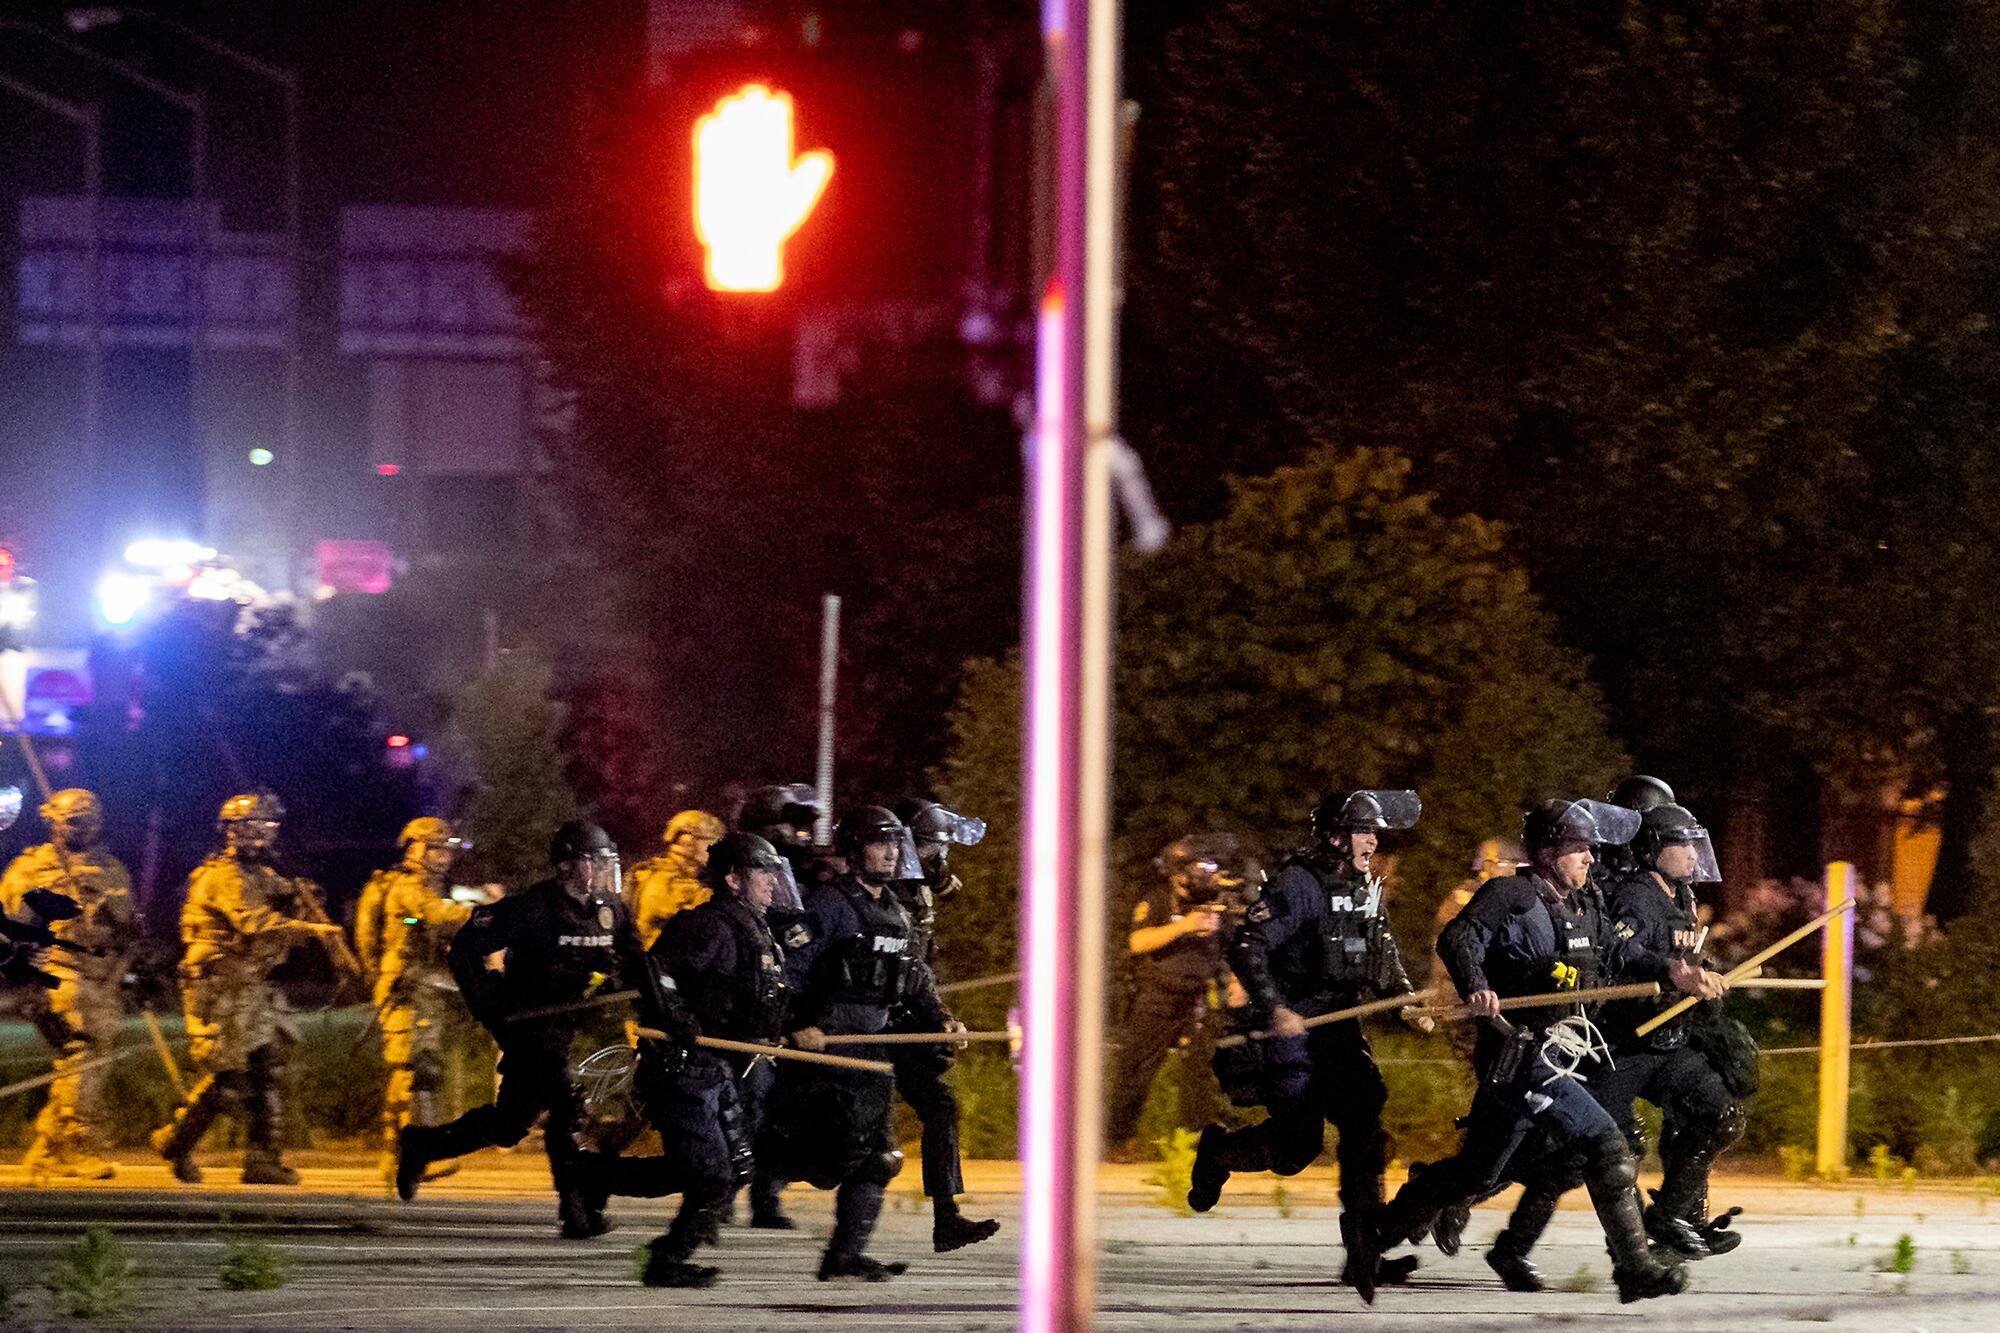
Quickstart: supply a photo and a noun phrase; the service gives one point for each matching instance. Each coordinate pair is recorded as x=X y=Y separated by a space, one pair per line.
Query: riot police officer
x=402 y=927
x=785 y=816
x=1529 y=933
x=563 y=940
x=730 y=970
x=672 y=882
x=921 y=1069
x=1316 y=941
x=1176 y=942
x=830 y=1127
x=1672 y=1067
x=80 y=1016
x=240 y=920
x=1637 y=792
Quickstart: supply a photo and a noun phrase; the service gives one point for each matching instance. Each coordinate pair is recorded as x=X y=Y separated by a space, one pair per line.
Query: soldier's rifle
x=313 y=910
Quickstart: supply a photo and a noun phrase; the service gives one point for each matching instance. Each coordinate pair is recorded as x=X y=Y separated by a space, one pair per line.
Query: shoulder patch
x=798 y=937
x=1259 y=910
x=1623 y=931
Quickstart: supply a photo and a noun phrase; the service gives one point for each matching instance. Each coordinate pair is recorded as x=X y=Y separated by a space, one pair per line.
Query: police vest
x=871 y=964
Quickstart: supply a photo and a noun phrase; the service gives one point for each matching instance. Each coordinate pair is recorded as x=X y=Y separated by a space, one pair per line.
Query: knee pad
x=1729 y=1130
x=1608 y=1160
x=879 y=1168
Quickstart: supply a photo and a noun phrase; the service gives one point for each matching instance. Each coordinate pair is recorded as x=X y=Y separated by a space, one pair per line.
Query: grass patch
x=1171 y=1176
x=1796 y=1161
x=1902 y=1259
x=1582 y=1281
x=93 y=1279
x=1959 y=1263
x=1281 y=1199
x=251 y=1263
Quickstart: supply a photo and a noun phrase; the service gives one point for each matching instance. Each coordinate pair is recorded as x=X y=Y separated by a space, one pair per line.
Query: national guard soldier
x=564 y=940
x=1316 y=941
x=830 y=1127
x=1529 y=933
x=921 y=1069
x=80 y=1016
x=1176 y=941
x=672 y=882
x=240 y=920
x=402 y=928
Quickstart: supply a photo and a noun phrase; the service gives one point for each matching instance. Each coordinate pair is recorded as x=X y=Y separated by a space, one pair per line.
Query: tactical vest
x=872 y=964
x=758 y=1004
x=1351 y=933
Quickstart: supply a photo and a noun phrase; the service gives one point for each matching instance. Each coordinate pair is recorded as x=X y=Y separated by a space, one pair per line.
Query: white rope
x=1568 y=1044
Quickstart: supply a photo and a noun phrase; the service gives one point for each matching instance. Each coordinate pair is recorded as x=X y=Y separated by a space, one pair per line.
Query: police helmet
x=1368 y=811
x=782 y=814
x=1557 y=821
x=578 y=839
x=1641 y=793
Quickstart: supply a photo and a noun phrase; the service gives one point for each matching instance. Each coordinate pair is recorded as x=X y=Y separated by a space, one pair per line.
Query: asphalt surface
x=479 y=1251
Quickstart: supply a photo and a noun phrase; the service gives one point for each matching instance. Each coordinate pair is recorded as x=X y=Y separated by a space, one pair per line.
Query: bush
x=250 y=1263
x=94 y=1277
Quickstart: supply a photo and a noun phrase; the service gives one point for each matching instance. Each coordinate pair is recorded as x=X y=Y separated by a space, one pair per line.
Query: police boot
x=667 y=1266
x=952 y=1230
x=1362 y=1267
x=176 y=1141
x=1617 y=1202
x=579 y=1219
x=1685 y=1175
x=1716 y=1232
x=1509 y=1255
x=1208 y=1176
x=856 y=1206
x=1447 y=1228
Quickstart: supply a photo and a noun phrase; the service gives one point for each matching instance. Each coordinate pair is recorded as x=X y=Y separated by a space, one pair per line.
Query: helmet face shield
x=1377 y=811
x=1706 y=869
x=785 y=894
x=1599 y=822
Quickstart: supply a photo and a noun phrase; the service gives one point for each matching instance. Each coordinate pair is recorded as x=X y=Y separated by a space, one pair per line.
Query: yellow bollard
x=1835 y=1018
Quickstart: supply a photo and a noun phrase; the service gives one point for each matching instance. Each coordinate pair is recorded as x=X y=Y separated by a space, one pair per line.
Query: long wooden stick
x=574 y=1006
x=912 y=1038
x=979 y=983
x=166 y=1055
x=1747 y=968
x=54 y=1074
x=1637 y=990
x=1781 y=983
x=780 y=1052
x=1338 y=1015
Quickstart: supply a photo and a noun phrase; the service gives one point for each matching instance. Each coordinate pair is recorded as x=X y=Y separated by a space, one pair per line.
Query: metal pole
x=829 y=676
x=1066 y=686
x=294 y=464
x=1835 y=1024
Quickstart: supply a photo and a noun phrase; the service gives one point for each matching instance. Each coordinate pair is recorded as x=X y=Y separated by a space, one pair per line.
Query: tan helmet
x=693 y=824
x=428 y=830
x=74 y=816
x=249 y=806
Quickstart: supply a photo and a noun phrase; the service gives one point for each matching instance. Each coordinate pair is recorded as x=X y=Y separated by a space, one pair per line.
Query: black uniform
x=921 y=1070
x=1316 y=941
x=554 y=950
x=1519 y=936
x=730 y=971
x=1172 y=1000
x=1676 y=1066
x=830 y=1127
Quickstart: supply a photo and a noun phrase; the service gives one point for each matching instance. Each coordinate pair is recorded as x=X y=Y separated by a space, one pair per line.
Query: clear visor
x=785 y=895
x=1399 y=809
x=1706 y=868
x=907 y=864
x=1595 y=821
x=10 y=806
x=965 y=830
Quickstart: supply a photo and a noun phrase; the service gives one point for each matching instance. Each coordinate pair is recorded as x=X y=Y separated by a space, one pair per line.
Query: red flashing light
x=6 y=565
x=387 y=469
x=398 y=741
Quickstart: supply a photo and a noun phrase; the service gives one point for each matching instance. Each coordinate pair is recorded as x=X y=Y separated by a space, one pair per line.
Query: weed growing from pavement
x=1171 y=1176
x=1903 y=1259
x=1281 y=1199
x=251 y=1263
x=1959 y=1263
x=1860 y=1205
x=1582 y=1281
x=94 y=1277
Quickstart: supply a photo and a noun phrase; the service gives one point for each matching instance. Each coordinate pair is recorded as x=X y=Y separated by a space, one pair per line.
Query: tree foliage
x=506 y=732
x=1330 y=630
x=1697 y=295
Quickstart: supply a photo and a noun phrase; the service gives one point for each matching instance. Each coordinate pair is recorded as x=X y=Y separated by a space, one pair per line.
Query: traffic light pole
x=1067 y=672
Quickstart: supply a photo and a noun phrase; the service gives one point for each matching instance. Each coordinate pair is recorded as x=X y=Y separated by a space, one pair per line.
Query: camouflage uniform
x=80 y=1017
x=663 y=885
x=240 y=920
x=402 y=928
